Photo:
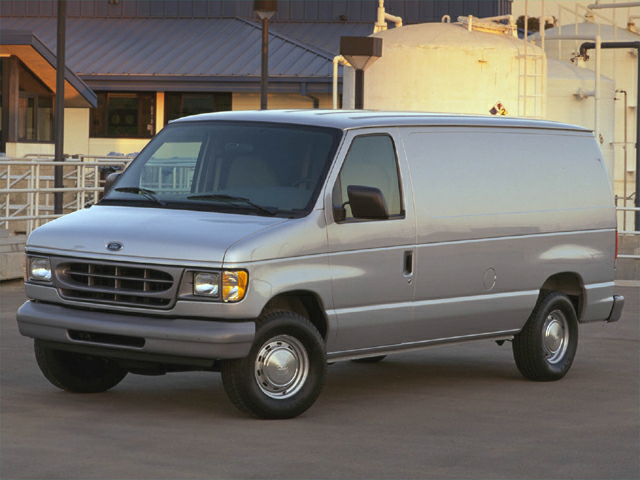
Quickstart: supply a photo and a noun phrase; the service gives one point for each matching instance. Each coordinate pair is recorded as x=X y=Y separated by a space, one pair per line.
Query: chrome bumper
x=201 y=339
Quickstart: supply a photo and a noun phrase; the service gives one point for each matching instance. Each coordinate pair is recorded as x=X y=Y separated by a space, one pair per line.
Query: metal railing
x=26 y=187
x=628 y=233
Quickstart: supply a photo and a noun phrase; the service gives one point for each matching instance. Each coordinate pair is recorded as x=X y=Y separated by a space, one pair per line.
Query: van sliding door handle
x=408 y=263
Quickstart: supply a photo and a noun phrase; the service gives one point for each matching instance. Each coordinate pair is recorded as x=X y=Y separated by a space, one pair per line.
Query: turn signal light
x=234 y=285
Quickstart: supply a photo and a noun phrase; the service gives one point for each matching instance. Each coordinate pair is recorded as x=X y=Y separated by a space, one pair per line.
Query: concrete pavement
x=451 y=412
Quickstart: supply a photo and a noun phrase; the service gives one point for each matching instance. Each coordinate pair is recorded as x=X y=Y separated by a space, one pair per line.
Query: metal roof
x=42 y=61
x=339 y=11
x=178 y=47
x=346 y=119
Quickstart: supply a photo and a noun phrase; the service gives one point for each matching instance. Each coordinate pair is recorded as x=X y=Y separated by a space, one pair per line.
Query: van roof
x=349 y=119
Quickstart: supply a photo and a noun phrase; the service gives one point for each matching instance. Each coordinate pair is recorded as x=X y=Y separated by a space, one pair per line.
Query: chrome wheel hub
x=281 y=367
x=555 y=336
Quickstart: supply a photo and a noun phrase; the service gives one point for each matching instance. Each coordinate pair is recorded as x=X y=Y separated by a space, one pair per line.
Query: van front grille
x=117 y=283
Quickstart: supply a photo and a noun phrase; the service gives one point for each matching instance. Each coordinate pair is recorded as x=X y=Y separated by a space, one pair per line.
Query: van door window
x=371 y=162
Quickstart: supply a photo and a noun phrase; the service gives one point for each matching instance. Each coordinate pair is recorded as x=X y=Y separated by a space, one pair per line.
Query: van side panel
x=499 y=212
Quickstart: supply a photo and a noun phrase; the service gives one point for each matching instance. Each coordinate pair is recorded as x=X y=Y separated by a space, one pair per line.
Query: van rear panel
x=500 y=211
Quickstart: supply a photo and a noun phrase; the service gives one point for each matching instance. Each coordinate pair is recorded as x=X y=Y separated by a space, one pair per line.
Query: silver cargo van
x=264 y=245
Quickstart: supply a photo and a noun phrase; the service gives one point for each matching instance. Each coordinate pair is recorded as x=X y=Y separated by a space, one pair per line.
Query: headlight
x=206 y=284
x=234 y=285
x=39 y=269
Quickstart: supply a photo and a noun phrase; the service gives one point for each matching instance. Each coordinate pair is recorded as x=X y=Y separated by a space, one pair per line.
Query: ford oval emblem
x=114 y=246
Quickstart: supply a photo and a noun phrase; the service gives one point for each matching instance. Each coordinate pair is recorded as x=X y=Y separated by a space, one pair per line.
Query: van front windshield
x=232 y=167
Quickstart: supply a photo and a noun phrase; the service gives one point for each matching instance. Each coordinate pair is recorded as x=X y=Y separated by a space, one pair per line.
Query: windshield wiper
x=150 y=194
x=230 y=199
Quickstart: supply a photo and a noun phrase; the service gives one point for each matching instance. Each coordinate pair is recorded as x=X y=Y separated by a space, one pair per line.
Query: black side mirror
x=111 y=179
x=367 y=203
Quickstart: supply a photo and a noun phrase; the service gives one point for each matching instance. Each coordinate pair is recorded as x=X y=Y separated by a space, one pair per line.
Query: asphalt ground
x=452 y=412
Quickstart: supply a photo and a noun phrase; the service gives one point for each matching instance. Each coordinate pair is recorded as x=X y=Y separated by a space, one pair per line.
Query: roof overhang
x=206 y=83
x=42 y=62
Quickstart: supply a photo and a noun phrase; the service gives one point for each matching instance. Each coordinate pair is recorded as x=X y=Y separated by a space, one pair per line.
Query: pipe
x=337 y=60
x=599 y=6
x=383 y=17
x=610 y=45
x=626 y=151
x=59 y=108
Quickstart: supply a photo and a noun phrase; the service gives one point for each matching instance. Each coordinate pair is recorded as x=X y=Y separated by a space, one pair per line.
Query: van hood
x=170 y=236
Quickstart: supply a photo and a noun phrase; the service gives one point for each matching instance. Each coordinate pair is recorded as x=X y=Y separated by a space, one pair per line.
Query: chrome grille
x=117 y=283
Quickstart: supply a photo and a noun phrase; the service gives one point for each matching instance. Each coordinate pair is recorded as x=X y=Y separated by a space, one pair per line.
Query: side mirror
x=111 y=179
x=367 y=203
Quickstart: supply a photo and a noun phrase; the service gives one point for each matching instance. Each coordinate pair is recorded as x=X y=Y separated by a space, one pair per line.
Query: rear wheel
x=77 y=373
x=545 y=348
x=284 y=372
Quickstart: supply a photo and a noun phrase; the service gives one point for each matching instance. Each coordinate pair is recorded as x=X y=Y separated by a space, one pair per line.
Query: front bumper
x=178 y=337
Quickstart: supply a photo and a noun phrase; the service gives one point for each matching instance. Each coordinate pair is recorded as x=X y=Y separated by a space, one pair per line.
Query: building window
x=35 y=108
x=178 y=105
x=128 y=115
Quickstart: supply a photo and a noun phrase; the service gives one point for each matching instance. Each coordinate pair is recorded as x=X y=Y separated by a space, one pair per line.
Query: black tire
x=282 y=339
x=78 y=373
x=376 y=359
x=545 y=348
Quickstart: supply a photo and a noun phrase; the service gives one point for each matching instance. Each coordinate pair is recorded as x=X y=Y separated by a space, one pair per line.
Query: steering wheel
x=305 y=180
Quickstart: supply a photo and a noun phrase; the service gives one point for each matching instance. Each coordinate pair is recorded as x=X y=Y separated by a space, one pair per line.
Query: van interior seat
x=251 y=171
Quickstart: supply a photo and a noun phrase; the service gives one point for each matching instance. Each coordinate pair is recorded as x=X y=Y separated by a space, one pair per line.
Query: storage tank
x=565 y=104
x=442 y=67
x=621 y=66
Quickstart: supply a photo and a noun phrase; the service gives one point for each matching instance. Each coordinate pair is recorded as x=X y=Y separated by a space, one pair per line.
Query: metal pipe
x=626 y=158
x=265 y=64
x=611 y=45
x=637 y=197
x=337 y=60
x=383 y=17
x=59 y=108
x=599 y=6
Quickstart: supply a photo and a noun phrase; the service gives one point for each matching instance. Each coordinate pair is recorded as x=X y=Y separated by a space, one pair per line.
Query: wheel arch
x=569 y=283
x=304 y=303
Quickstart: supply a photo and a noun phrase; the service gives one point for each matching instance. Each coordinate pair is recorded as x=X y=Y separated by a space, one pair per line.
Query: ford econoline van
x=264 y=245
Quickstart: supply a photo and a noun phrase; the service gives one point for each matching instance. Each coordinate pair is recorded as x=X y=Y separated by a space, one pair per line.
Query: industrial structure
x=134 y=65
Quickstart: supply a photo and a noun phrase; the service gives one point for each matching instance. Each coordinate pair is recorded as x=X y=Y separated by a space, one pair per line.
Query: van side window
x=370 y=162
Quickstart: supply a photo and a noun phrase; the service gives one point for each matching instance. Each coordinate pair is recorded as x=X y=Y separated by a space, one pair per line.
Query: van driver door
x=371 y=261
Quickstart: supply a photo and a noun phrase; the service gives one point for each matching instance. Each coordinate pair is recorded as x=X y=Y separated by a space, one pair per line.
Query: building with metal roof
x=150 y=61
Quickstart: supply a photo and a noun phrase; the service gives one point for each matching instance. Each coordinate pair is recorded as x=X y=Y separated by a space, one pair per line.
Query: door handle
x=408 y=263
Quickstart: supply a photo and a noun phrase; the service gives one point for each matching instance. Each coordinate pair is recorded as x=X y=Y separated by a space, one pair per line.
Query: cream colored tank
x=619 y=65
x=564 y=81
x=440 y=67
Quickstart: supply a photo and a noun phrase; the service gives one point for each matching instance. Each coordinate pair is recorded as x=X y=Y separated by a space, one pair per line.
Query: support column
x=10 y=100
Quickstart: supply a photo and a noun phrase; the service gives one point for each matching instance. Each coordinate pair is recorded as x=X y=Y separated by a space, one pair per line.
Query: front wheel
x=77 y=373
x=284 y=372
x=545 y=348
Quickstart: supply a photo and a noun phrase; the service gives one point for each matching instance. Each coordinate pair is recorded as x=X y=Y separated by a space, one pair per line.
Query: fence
x=27 y=187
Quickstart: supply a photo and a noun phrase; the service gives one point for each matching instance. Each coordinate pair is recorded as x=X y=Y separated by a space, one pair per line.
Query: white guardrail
x=27 y=187
x=628 y=233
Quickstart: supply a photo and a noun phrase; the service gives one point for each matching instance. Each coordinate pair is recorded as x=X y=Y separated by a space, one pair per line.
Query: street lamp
x=265 y=10
x=360 y=52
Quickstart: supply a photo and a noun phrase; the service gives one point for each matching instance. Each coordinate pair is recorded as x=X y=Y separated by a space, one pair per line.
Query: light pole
x=265 y=10
x=360 y=52
x=59 y=110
